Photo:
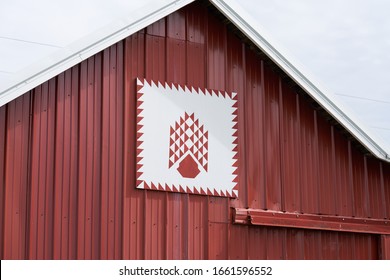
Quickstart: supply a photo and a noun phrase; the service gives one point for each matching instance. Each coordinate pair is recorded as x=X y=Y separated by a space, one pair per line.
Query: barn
x=306 y=181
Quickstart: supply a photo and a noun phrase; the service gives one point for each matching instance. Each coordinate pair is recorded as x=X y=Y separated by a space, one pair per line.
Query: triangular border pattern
x=140 y=184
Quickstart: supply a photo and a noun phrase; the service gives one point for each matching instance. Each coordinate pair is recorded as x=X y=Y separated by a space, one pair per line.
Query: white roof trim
x=87 y=47
x=81 y=50
x=234 y=14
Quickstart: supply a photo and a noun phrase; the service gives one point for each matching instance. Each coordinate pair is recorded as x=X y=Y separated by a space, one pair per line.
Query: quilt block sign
x=186 y=139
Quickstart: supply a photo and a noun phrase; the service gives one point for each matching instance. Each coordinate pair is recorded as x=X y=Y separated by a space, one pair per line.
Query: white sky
x=345 y=44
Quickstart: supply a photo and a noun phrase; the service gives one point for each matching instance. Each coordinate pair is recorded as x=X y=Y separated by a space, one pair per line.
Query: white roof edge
x=314 y=91
x=85 y=48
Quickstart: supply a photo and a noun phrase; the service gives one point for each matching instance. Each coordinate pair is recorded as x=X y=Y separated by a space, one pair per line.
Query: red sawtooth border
x=184 y=189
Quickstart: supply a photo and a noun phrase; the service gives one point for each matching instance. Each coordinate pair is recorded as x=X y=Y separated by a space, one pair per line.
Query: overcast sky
x=345 y=44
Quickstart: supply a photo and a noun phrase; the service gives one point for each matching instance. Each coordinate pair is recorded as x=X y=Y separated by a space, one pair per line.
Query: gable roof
x=141 y=17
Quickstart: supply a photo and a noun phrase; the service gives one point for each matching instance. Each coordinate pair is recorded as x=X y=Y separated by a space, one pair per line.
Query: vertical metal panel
x=218 y=234
x=385 y=247
x=177 y=204
x=66 y=165
x=154 y=223
x=134 y=200
x=254 y=114
x=157 y=29
x=290 y=151
x=197 y=228
x=312 y=245
x=176 y=25
x=155 y=204
x=196 y=63
x=218 y=208
x=216 y=54
x=176 y=61
x=271 y=136
x=294 y=244
x=16 y=177
x=275 y=244
x=342 y=176
x=359 y=190
x=85 y=160
x=42 y=173
x=308 y=163
x=257 y=239
x=218 y=247
x=2 y=177
x=117 y=73
x=195 y=56
x=55 y=176
x=67 y=159
x=367 y=247
x=346 y=247
x=329 y=242
x=376 y=189
x=386 y=184
x=235 y=82
x=196 y=24
x=238 y=250
x=325 y=176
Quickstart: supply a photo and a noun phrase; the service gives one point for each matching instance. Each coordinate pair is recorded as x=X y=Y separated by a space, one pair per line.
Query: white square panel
x=194 y=118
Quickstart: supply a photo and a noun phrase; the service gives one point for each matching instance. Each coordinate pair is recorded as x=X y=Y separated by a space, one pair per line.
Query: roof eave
x=81 y=50
x=295 y=74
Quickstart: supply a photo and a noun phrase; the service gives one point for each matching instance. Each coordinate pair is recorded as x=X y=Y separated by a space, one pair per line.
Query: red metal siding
x=385 y=245
x=16 y=177
x=67 y=160
x=2 y=181
x=63 y=165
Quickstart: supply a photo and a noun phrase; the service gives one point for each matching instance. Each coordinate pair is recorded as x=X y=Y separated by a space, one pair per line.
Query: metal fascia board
x=87 y=47
x=316 y=93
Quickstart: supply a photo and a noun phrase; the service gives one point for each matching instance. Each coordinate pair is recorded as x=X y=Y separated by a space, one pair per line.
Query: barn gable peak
x=142 y=17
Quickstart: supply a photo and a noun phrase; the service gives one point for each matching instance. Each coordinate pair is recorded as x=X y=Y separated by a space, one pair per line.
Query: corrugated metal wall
x=67 y=160
x=62 y=158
